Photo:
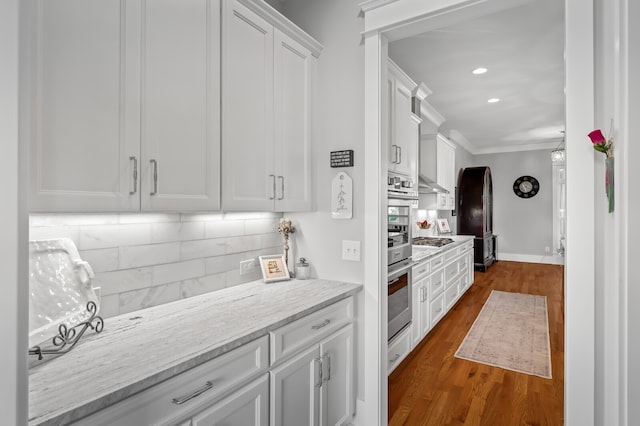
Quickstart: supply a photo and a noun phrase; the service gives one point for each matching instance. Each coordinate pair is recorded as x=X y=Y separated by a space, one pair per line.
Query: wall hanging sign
x=342 y=196
x=342 y=158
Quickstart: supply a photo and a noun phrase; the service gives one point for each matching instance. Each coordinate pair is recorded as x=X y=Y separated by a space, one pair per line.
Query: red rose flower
x=597 y=138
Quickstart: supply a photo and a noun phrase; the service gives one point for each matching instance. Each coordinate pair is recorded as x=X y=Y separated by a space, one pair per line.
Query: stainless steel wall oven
x=399 y=262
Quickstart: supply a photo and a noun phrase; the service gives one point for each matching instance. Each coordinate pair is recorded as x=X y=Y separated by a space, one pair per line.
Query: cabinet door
x=417 y=297
x=295 y=387
x=446 y=159
x=337 y=398
x=248 y=175
x=180 y=135
x=245 y=407
x=405 y=132
x=84 y=106
x=292 y=90
x=425 y=312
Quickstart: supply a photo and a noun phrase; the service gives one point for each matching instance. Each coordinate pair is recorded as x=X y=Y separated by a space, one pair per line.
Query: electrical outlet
x=547 y=250
x=351 y=250
x=248 y=266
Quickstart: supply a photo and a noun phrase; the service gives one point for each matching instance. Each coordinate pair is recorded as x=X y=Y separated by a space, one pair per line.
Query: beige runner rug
x=511 y=332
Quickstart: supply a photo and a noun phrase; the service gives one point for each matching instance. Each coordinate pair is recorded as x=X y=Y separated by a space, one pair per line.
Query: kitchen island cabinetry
x=124 y=106
x=266 y=109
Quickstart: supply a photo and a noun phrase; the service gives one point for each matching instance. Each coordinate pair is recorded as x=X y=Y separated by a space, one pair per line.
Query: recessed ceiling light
x=493 y=100
x=479 y=71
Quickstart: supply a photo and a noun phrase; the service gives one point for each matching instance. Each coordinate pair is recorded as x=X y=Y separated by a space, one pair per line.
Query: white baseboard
x=531 y=258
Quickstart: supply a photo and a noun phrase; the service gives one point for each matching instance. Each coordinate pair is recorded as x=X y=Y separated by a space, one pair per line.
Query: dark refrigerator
x=475 y=213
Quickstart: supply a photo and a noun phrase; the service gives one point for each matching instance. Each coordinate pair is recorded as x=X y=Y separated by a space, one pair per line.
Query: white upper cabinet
x=125 y=105
x=266 y=110
x=180 y=131
x=446 y=172
x=84 y=111
x=404 y=124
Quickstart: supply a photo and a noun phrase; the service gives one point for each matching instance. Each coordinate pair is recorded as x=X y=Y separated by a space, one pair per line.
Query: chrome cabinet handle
x=281 y=187
x=135 y=175
x=322 y=324
x=395 y=358
x=326 y=366
x=399 y=154
x=318 y=370
x=154 y=163
x=273 y=189
x=181 y=400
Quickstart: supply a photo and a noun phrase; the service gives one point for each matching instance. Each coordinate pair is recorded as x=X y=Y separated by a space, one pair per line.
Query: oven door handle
x=397 y=272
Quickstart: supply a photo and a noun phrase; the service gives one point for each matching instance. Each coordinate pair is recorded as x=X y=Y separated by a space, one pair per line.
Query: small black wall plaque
x=342 y=158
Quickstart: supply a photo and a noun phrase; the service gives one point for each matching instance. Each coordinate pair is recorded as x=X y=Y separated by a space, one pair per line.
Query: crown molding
x=275 y=18
x=370 y=5
x=430 y=113
x=515 y=148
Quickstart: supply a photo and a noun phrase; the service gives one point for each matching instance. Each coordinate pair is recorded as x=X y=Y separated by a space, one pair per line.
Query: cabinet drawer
x=399 y=348
x=420 y=271
x=437 y=309
x=450 y=296
x=452 y=254
x=450 y=274
x=436 y=285
x=463 y=264
x=436 y=262
x=196 y=388
x=286 y=340
x=464 y=284
x=467 y=246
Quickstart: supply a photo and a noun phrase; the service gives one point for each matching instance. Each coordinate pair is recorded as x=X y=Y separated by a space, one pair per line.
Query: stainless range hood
x=427 y=186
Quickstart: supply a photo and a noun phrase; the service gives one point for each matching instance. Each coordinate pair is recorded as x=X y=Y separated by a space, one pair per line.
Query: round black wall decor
x=526 y=186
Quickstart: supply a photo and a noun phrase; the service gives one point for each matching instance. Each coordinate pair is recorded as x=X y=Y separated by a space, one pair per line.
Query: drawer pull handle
x=135 y=175
x=207 y=386
x=438 y=310
x=438 y=284
x=322 y=324
x=395 y=358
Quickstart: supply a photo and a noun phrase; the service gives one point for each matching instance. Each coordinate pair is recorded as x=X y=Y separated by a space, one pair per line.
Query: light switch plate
x=351 y=250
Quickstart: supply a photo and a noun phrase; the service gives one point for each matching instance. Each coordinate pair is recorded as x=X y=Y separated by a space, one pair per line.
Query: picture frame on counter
x=274 y=268
x=443 y=225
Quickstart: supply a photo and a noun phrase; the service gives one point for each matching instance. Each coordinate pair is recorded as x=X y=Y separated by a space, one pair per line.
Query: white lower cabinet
x=437 y=284
x=200 y=388
x=398 y=350
x=315 y=387
x=248 y=406
x=309 y=380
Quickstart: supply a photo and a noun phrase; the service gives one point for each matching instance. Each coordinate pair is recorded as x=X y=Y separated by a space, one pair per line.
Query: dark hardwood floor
x=433 y=388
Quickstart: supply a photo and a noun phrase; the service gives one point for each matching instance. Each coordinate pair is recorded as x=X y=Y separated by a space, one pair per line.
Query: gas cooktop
x=431 y=241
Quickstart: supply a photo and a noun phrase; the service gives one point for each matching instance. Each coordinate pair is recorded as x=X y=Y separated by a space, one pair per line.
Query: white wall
x=13 y=323
x=524 y=226
x=338 y=124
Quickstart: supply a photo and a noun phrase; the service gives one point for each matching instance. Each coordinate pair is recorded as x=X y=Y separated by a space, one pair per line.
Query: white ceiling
x=523 y=49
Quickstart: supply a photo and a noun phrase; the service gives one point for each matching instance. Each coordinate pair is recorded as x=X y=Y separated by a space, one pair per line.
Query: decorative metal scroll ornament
x=68 y=337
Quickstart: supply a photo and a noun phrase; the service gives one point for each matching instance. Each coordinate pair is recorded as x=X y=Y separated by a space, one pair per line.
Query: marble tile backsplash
x=143 y=260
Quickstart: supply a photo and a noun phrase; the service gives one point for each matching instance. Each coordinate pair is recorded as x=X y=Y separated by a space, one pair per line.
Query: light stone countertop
x=138 y=350
x=432 y=251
